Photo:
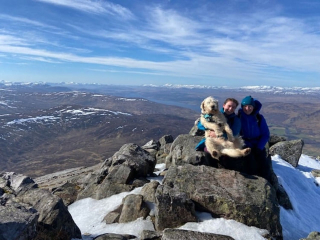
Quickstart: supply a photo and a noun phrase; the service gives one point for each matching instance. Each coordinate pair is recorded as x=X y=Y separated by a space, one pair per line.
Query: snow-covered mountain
x=254 y=89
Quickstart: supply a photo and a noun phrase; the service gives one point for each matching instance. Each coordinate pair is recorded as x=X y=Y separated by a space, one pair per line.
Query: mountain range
x=51 y=127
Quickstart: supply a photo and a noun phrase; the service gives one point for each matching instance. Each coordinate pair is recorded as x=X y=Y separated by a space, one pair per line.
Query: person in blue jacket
x=255 y=133
x=228 y=110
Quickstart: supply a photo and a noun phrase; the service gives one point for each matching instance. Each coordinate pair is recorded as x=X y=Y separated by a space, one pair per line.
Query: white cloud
x=210 y=44
x=25 y=21
x=93 y=6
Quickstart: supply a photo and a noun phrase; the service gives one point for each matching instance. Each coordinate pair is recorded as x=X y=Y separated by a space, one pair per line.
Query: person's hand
x=212 y=134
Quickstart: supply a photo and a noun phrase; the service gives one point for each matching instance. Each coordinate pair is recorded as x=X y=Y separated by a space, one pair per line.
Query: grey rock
x=229 y=194
x=118 y=173
x=289 y=151
x=275 y=139
x=152 y=144
x=282 y=196
x=148 y=191
x=173 y=208
x=67 y=192
x=152 y=147
x=195 y=131
x=17 y=222
x=133 y=207
x=136 y=158
x=165 y=140
x=140 y=182
x=3 y=182
x=113 y=236
x=315 y=173
x=33 y=213
x=73 y=175
x=54 y=218
x=18 y=182
x=183 y=151
x=150 y=235
x=108 y=188
x=164 y=149
x=113 y=216
x=312 y=236
x=179 y=234
x=88 y=191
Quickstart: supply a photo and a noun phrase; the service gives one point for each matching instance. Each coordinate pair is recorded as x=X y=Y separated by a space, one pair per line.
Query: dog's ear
x=202 y=106
x=216 y=102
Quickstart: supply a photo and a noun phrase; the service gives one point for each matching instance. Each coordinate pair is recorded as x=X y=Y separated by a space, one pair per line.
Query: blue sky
x=203 y=42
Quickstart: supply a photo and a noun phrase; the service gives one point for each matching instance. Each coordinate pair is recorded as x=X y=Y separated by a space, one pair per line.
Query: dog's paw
x=214 y=154
x=246 y=151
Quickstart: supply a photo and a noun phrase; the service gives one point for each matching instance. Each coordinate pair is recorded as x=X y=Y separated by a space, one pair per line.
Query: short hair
x=231 y=100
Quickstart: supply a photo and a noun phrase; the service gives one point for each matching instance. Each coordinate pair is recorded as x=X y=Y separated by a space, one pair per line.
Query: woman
x=228 y=108
x=255 y=133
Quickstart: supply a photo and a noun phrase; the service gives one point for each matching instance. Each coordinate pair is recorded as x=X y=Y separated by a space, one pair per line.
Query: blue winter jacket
x=254 y=130
x=233 y=122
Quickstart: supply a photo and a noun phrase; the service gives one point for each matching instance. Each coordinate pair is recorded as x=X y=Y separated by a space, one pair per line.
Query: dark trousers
x=226 y=162
x=259 y=163
x=256 y=163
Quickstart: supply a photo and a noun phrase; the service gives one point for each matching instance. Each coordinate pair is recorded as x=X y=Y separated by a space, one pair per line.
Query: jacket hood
x=257 y=107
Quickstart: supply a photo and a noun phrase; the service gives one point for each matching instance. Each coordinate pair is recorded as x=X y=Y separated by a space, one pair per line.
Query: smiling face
x=248 y=109
x=229 y=107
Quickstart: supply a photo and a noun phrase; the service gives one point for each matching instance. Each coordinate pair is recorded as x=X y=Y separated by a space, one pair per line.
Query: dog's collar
x=208 y=117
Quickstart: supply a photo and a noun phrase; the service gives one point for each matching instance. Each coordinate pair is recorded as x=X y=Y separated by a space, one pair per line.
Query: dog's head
x=209 y=106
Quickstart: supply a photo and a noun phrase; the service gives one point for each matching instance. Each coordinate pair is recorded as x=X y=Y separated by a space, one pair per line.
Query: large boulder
x=28 y=212
x=173 y=208
x=165 y=143
x=133 y=207
x=183 y=151
x=225 y=193
x=289 y=151
x=117 y=174
x=54 y=217
x=17 y=222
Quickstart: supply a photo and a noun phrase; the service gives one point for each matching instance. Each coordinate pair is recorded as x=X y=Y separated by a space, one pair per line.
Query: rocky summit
x=37 y=209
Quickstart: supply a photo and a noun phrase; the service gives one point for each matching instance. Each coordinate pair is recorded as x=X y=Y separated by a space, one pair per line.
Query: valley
x=47 y=128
